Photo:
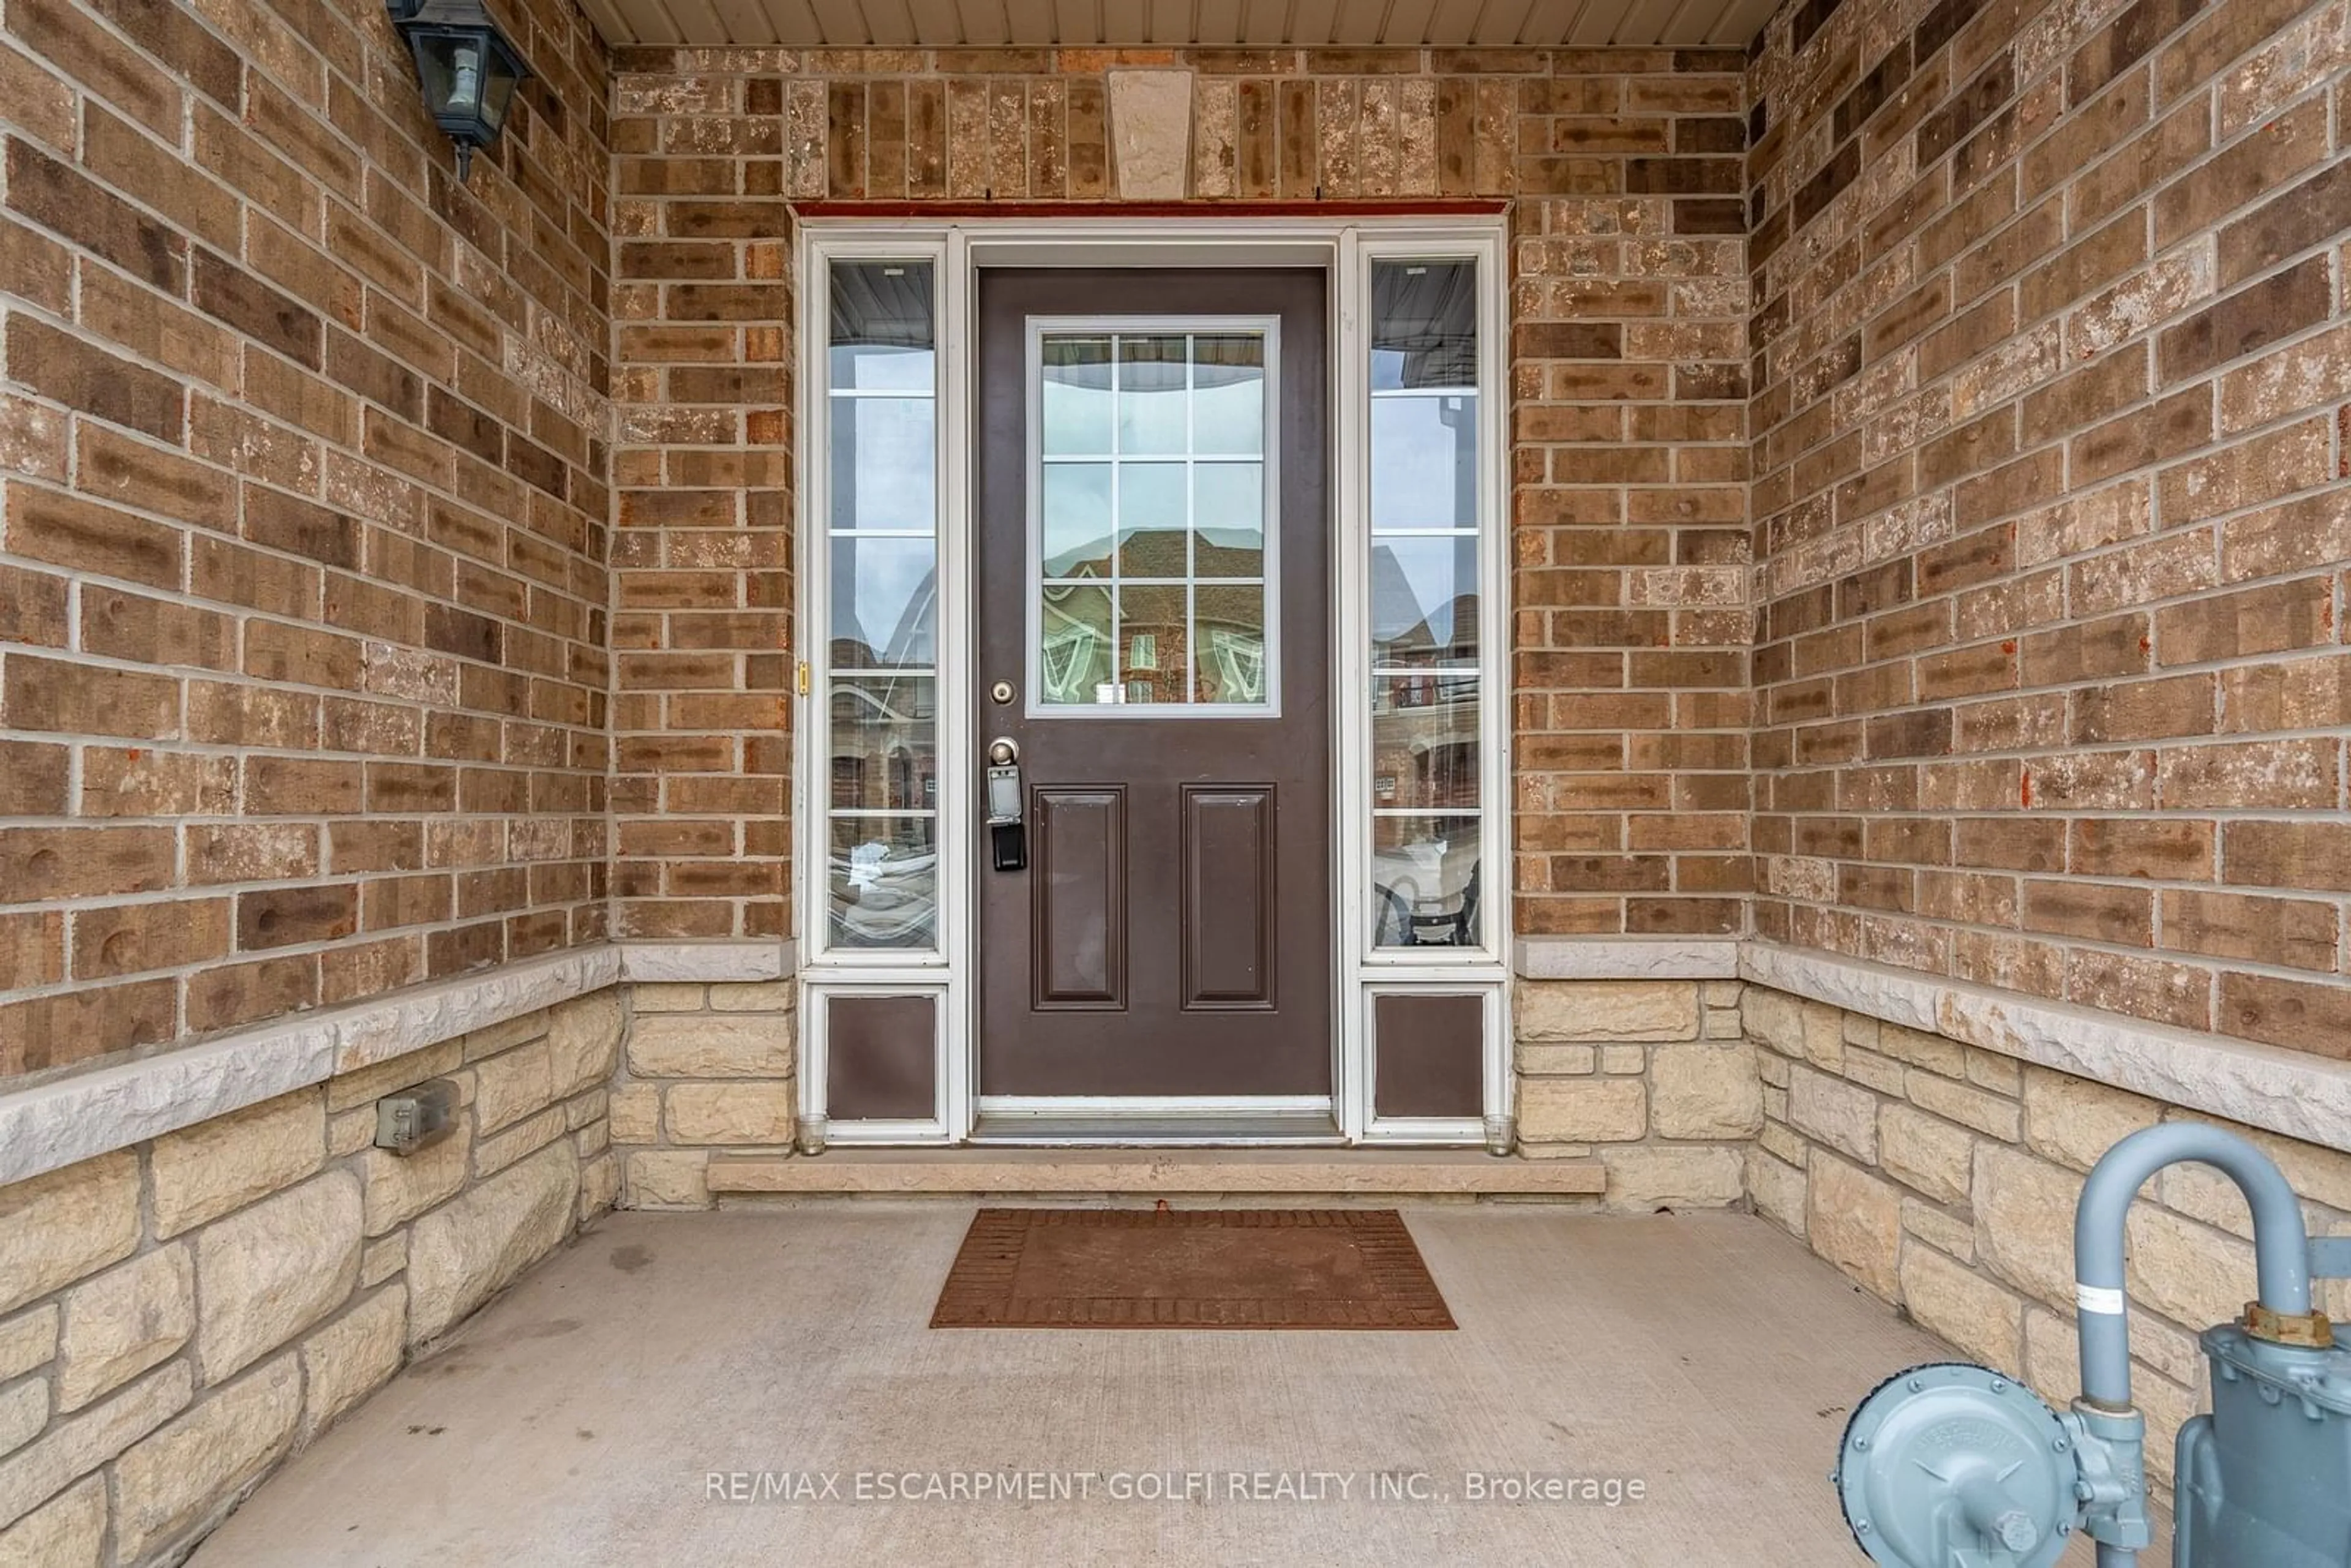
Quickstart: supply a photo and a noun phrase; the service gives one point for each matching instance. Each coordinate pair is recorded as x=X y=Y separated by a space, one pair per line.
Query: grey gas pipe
x=1950 y=1465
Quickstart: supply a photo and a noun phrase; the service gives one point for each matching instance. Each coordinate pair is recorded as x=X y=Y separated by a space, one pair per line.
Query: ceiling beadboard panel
x=1311 y=24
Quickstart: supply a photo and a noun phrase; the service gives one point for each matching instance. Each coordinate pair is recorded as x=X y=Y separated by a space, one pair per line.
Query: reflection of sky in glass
x=883 y=598
x=1417 y=586
x=866 y=367
x=883 y=476
x=1424 y=462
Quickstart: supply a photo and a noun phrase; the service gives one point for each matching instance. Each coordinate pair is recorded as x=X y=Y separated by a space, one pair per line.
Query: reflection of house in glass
x=1427 y=864
x=885 y=728
x=1159 y=640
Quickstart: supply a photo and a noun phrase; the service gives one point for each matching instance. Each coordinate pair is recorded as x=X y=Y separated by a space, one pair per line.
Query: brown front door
x=1153 y=611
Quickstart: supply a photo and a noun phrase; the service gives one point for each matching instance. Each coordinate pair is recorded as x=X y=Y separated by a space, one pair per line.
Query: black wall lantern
x=469 y=69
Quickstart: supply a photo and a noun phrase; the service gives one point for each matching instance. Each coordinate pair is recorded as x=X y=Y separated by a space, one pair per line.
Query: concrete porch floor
x=576 y=1420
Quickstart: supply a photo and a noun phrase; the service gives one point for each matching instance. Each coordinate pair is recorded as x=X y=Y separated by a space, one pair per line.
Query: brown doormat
x=1190 y=1268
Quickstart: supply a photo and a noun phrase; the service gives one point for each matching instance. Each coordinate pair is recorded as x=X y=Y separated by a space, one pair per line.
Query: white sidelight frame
x=1345 y=247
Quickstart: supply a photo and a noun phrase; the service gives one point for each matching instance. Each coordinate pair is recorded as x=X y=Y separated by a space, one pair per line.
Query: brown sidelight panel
x=1428 y=1056
x=881 y=1058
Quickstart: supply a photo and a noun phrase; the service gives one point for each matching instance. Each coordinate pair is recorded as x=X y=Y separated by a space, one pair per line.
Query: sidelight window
x=1429 y=870
x=881 y=659
x=1152 y=533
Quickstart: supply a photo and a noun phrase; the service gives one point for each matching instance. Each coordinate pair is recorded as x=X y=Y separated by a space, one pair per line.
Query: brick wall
x=305 y=463
x=1628 y=386
x=2050 y=457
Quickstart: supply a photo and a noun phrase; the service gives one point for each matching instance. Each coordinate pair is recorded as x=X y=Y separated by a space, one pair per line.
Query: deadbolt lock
x=1001 y=693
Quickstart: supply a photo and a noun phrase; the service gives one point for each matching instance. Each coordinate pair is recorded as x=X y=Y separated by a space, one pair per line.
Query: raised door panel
x=1078 y=880
x=1228 y=902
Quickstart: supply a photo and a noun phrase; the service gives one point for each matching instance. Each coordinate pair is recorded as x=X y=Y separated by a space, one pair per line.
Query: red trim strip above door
x=968 y=209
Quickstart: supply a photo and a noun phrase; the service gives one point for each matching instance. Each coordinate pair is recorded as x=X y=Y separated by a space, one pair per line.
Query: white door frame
x=958 y=249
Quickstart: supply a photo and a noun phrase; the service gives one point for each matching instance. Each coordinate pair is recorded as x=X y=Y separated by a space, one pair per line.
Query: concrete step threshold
x=1156 y=1173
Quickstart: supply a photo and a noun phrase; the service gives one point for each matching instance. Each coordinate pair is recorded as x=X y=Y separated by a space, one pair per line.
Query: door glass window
x=1152 y=502
x=1427 y=860
x=882 y=707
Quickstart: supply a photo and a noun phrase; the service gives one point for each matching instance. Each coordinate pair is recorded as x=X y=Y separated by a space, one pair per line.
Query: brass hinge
x=803 y=677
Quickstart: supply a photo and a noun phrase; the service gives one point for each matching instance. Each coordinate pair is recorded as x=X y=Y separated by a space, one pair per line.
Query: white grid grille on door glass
x=880 y=655
x=1152 y=518
x=1427 y=703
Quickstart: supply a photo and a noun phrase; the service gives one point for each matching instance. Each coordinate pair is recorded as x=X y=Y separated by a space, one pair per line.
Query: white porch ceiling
x=1216 y=24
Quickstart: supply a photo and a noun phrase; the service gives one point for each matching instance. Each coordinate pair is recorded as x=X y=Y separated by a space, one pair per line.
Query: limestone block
x=711 y=1045
x=1944 y=1232
x=1705 y=1091
x=512 y=1085
x=1920 y=1049
x=1872 y=1071
x=2319 y=1176
x=495 y=1154
x=352 y=1356
x=646 y=997
x=1723 y=1023
x=1647 y=1176
x=1623 y=1058
x=1838 y=1113
x=2053 y=1356
x=1993 y=1116
x=755 y=996
x=369 y=1084
x=57 y=1228
x=383 y=1259
x=754 y=1112
x=583 y=1109
x=24 y=1411
x=267 y=1273
x=1558 y=1060
x=1925 y=1153
x=401 y=1186
x=219 y=1166
x=1151 y=133
x=1824 y=1036
x=28 y=1340
x=2191 y=1273
x=466 y=1251
x=600 y=1185
x=1989 y=1070
x=1855 y=1220
x=2025 y=1221
x=1952 y=1299
x=1775 y=1020
x=583 y=1041
x=69 y=1532
x=81 y=1444
x=1607 y=1010
x=492 y=1039
x=636 y=1113
x=349 y=1131
x=1782 y=1144
x=120 y=1323
x=1583 y=1110
x=190 y=1472
x=1778 y=1189
x=667 y=1178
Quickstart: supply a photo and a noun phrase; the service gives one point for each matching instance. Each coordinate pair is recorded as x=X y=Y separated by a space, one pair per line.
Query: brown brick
x=288 y=917
x=71 y=1026
x=81 y=375
x=2261 y=314
x=237 y=994
x=2265 y=620
x=57 y=198
x=56 y=695
x=44 y=864
x=133 y=938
